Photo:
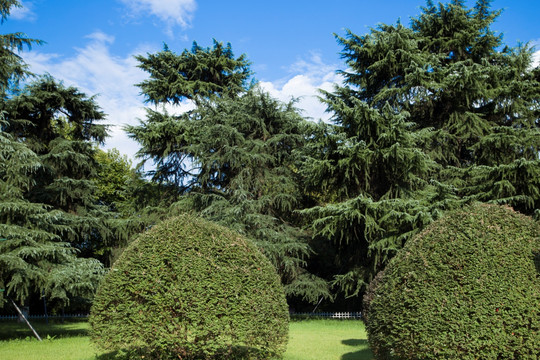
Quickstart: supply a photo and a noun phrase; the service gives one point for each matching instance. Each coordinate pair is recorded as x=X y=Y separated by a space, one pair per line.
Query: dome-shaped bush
x=465 y=288
x=191 y=289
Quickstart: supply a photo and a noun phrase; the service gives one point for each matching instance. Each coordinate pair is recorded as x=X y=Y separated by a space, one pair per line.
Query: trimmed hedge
x=465 y=288
x=191 y=289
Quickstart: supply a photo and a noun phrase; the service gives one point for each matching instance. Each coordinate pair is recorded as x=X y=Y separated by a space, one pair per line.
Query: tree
x=34 y=256
x=114 y=173
x=12 y=68
x=482 y=101
x=59 y=124
x=194 y=74
x=191 y=76
x=372 y=184
x=247 y=179
x=232 y=159
x=46 y=136
x=429 y=116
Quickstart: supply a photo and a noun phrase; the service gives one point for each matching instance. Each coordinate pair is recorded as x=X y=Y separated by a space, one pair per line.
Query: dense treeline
x=428 y=117
x=57 y=227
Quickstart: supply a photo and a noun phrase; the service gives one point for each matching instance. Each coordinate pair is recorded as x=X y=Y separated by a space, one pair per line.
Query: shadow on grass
x=236 y=352
x=361 y=354
x=113 y=355
x=11 y=329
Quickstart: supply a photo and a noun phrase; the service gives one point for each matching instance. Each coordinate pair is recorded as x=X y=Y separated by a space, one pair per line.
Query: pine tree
x=243 y=153
x=195 y=74
x=45 y=143
x=371 y=180
x=34 y=255
x=482 y=103
x=232 y=156
x=12 y=68
x=59 y=124
x=429 y=116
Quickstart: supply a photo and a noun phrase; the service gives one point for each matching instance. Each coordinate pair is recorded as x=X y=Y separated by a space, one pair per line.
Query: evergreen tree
x=59 y=124
x=231 y=157
x=371 y=180
x=243 y=151
x=482 y=103
x=429 y=115
x=46 y=139
x=195 y=74
x=174 y=78
x=12 y=68
x=35 y=258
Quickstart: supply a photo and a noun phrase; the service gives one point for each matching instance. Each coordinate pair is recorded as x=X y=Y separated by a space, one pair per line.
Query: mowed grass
x=309 y=339
x=62 y=341
x=328 y=340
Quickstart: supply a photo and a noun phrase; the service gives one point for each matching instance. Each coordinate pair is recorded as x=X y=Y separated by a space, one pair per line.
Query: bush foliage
x=465 y=288
x=191 y=289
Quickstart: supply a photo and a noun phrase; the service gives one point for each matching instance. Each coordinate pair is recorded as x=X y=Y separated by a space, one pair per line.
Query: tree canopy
x=194 y=74
x=232 y=157
x=429 y=116
x=51 y=228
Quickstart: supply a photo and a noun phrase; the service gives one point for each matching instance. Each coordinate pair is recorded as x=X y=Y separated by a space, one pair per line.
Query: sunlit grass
x=309 y=339
x=62 y=341
x=328 y=339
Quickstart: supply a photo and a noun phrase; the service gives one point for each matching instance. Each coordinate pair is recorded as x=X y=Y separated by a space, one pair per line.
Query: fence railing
x=329 y=315
x=326 y=315
x=66 y=316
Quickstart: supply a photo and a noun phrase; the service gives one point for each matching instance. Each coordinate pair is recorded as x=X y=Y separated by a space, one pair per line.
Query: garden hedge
x=465 y=288
x=191 y=289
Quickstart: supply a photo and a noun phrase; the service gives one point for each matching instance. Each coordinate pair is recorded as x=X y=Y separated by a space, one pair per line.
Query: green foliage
x=48 y=136
x=231 y=158
x=465 y=288
x=61 y=126
x=114 y=174
x=33 y=256
x=12 y=67
x=372 y=180
x=199 y=73
x=430 y=116
x=192 y=289
x=243 y=154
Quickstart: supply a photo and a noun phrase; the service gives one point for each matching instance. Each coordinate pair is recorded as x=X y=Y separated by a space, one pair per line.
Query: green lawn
x=309 y=339
x=328 y=340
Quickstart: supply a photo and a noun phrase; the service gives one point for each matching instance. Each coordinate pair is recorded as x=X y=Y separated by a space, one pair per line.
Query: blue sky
x=291 y=45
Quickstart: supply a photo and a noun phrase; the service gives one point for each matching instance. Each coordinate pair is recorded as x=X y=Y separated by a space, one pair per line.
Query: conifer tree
x=12 y=68
x=33 y=254
x=195 y=74
x=232 y=156
x=59 y=124
x=45 y=143
x=428 y=115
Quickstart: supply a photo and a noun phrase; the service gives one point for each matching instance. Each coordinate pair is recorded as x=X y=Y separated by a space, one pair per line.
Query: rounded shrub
x=465 y=288
x=191 y=289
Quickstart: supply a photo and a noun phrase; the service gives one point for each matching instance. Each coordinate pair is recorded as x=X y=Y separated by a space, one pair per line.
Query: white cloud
x=307 y=77
x=536 y=59
x=536 y=54
x=94 y=70
x=172 y=12
x=24 y=12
